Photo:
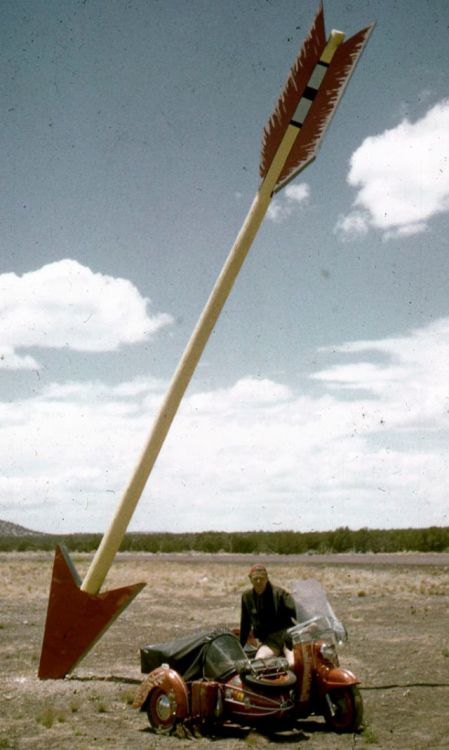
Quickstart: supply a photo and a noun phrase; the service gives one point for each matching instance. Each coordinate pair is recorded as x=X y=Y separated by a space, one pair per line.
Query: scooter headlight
x=328 y=651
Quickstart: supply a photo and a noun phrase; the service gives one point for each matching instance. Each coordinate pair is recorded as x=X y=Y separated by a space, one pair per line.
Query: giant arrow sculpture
x=77 y=613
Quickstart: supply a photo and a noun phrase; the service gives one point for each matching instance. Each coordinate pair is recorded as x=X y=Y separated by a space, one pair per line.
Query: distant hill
x=13 y=529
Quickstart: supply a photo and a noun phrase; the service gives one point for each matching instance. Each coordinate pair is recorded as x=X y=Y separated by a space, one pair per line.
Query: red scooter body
x=323 y=686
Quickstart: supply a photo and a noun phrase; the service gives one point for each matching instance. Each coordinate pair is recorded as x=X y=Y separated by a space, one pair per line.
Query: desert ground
x=396 y=611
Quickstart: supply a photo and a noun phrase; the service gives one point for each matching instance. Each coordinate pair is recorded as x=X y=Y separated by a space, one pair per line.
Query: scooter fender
x=337 y=677
x=171 y=682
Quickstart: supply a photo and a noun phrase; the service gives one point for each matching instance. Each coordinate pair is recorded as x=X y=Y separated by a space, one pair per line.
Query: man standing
x=268 y=611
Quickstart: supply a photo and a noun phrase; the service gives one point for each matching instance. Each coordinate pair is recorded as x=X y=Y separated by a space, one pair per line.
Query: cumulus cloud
x=369 y=448
x=287 y=203
x=411 y=382
x=67 y=305
x=401 y=177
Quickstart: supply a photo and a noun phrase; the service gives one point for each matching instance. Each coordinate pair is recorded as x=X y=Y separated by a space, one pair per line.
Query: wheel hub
x=163 y=708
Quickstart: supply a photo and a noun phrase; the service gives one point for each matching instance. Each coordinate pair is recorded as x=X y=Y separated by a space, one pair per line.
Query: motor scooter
x=323 y=687
x=207 y=678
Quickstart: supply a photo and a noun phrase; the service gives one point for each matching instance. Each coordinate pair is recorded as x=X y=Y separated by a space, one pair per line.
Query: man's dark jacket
x=267 y=613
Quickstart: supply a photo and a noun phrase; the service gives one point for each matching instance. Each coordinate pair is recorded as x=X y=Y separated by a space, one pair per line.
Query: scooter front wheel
x=343 y=709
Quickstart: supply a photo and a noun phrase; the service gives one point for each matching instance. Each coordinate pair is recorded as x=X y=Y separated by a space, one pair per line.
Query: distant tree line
x=343 y=539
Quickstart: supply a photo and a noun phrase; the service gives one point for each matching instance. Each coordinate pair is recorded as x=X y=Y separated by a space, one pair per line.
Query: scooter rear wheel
x=343 y=709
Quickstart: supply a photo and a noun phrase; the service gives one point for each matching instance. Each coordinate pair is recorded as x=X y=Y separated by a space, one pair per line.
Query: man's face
x=259 y=581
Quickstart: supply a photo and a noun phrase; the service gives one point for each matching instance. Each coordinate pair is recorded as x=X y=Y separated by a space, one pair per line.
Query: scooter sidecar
x=207 y=678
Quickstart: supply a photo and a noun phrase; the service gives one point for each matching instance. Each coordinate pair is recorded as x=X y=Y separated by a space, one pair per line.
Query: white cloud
x=297 y=193
x=352 y=225
x=9 y=360
x=371 y=449
x=402 y=177
x=66 y=305
x=410 y=388
x=286 y=204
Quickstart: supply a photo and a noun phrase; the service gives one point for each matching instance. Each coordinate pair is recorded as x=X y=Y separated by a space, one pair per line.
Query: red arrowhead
x=76 y=619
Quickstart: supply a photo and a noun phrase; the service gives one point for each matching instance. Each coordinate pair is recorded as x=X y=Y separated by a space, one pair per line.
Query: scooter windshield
x=311 y=602
x=222 y=657
x=317 y=628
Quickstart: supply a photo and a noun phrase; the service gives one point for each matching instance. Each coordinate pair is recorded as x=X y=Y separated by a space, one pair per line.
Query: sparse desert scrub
x=398 y=646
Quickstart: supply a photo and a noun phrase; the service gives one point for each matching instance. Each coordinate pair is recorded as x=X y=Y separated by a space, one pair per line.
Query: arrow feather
x=294 y=88
x=323 y=106
x=329 y=94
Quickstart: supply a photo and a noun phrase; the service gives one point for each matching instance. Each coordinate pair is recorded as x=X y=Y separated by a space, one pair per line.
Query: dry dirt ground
x=396 y=615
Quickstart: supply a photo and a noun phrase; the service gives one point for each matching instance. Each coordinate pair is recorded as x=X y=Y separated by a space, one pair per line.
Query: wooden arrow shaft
x=112 y=539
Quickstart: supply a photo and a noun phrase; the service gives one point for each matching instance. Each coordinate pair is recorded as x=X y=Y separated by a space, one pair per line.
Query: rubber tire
x=349 y=709
x=266 y=684
x=153 y=706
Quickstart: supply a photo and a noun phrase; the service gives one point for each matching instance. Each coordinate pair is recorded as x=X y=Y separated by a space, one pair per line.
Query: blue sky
x=131 y=135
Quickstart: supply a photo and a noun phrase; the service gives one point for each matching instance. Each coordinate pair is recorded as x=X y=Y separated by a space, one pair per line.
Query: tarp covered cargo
x=212 y=653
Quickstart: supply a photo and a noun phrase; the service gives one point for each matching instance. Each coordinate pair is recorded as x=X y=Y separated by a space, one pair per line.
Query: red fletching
x=294 y=87
x=323 y=106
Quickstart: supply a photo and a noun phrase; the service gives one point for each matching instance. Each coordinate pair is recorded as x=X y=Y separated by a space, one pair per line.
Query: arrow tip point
x=75 y=619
